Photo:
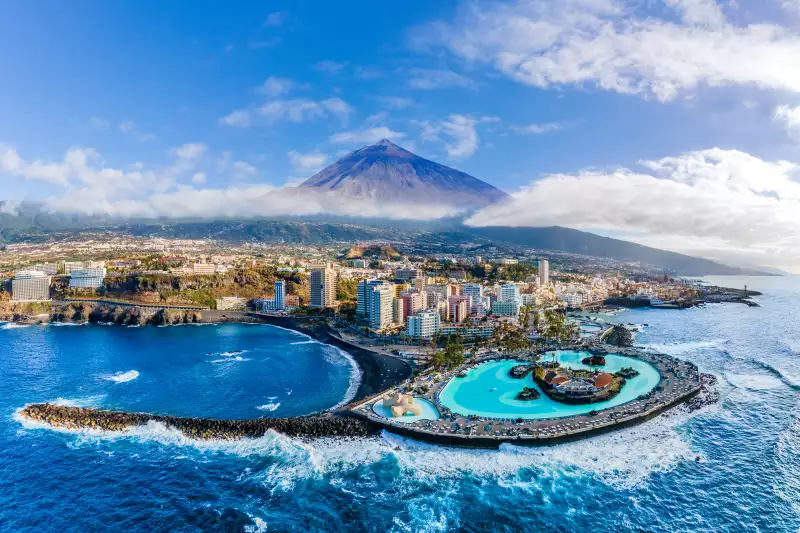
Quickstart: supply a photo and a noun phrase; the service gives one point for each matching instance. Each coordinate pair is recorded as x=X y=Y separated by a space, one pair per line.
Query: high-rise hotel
x=30 y=285
x=323 y=287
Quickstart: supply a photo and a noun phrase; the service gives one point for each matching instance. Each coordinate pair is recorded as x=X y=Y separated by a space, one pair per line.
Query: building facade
x=382 y=313
x=30 y=285
x=423 y=325
x=323 y=287
x=544 y=272
x=87 y=278
x=231 y=303
x=280 y=295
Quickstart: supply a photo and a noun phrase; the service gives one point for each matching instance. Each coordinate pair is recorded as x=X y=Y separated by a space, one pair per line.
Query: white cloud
x=538 y=128
x=458 y=133
x=98 y=123
x=276 y=18
x=12 y=163
x=428 y=79
x=330 y=67
x=366 y=136
x=291 y=110
x=126 y=126
x=190 y=150
x=616 y=45
x=310 y=163
x=719 y=203
x=199 y=177
x=237 y=119
x=789 y=117
x=242 y=169
x=275 y=86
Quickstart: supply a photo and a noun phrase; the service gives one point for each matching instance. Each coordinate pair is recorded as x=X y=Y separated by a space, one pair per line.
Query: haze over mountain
x=386 y=172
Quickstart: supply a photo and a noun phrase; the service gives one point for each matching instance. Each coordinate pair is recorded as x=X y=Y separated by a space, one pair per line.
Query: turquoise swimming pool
x=488 y=391
x=429 y=411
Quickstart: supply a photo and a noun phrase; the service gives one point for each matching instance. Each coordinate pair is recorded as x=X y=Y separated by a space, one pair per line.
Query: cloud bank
x=617 y=45
x=724 y=204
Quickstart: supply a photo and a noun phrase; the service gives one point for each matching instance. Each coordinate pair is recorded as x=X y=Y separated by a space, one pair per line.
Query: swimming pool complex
x=429 y=412
x=487 y=390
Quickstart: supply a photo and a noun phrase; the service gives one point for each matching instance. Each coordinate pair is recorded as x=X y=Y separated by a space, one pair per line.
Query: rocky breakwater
x=617 y=336
x=708 y=393
x=330 y=425
x=128 y=316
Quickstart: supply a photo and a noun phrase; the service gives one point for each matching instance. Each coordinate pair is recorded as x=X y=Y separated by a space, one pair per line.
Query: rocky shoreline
x=330 y=425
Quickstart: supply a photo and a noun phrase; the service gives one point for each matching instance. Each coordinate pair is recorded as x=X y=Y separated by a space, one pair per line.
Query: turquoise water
x=488 y=390
x=429 y=412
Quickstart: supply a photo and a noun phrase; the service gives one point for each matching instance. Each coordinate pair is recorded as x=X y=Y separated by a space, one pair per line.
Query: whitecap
x=232 y=353
x=12 y=325
x=258 y=525
x=229 y=359
x=269 y=407
x=754 y=381
x=310 y=341
x=122 y=377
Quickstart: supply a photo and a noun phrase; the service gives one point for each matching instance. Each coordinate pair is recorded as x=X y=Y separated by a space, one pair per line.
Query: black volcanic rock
x=385 y=171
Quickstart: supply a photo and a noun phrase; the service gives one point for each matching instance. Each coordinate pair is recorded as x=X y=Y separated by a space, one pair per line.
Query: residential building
x=87 y=278
x=469 y=331
x=381 y=314
x=413 y=302
x=475 y=292
x=280 y=295
x=398 y=316
x=505 y=308
x=423 y=325
x=406 y=274
x=51 y=269
x=528 y=299
x=69 y=266
x=30 y=285
x=323 y=287
x=572 y=299
x=457 y=308
x=509 y=293
x=364 y=295
x=204 y=269
x=544 y=272
x=231 y=303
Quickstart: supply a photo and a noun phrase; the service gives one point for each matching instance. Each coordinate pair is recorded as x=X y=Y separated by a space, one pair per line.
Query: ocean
x=729 y=467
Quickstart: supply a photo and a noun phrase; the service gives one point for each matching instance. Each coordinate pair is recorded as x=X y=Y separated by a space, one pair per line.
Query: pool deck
x=680 y=381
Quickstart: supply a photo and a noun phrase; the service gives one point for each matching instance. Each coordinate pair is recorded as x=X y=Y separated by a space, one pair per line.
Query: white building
x=528 y=299
x=509 y=293
x=398 y=314
x=231 y=303
x=30 y=285
x=572 y=299
x=382 y=311
x=204 y=269
x=475 y=292
x=51 y=269
x=469 y=331
x=87 y=278
x=364 y=295
x=423 y=325
x=544 y=272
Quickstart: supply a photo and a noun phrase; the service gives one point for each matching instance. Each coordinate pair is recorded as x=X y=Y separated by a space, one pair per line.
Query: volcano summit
x=387 y=172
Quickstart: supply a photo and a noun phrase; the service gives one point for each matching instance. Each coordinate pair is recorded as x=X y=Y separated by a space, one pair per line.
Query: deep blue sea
x=731 y=467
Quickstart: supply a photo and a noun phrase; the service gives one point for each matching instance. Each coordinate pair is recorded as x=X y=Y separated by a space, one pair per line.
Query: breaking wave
x=269 y=407
x=122 y=377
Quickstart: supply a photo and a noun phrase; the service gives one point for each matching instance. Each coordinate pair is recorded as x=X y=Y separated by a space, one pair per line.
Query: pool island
x=545 y=396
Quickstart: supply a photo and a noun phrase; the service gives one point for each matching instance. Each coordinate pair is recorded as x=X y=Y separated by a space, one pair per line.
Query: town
x=379 y=295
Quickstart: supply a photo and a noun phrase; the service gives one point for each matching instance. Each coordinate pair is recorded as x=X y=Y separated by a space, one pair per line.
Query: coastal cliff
x=79 y=312
x=199 y=428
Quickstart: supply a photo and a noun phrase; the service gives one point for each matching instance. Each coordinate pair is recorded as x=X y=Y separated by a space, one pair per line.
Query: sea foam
x=122 y=377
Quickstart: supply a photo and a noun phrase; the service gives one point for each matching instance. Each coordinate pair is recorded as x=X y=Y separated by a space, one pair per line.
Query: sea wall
x=200 y=428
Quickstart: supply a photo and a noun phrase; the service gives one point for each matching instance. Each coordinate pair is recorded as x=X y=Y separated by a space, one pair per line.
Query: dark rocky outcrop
x=200 y=428
x=80 y=312
x=708 y=393
x=528 y=393
x=594 y=360
x=520 y=371
x=617 y=336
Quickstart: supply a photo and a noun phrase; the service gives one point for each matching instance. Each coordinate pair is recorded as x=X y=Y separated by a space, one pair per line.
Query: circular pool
x=487 y=390
x=429 y=411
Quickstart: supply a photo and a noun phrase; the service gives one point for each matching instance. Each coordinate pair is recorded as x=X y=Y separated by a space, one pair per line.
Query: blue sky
x=580 y=99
